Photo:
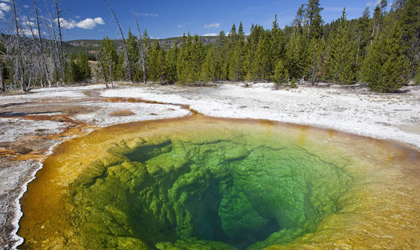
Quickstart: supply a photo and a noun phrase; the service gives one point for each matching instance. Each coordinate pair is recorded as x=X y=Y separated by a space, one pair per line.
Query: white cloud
x=29 y=23
x=28 y=32
x=148 y=14
x=5 y=7
x=66 y=24
x=211 y=34
x=26 y=6
x=7 y=1
x=88 y=23
x=213 y=25
x=99 y=20
x=179 y=26
x=77 y=17
x=373 y=4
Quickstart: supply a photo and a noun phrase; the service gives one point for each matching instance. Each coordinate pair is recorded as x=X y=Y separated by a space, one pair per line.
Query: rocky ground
x=31 y=125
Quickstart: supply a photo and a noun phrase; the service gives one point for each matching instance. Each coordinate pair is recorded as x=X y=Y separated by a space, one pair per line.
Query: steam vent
x=207 y=183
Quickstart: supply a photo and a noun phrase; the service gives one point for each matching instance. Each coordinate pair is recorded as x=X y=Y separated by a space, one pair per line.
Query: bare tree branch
x=41 y=46
x=103 y=69
x=60 y=44
x=130 y=72
x=141 y=55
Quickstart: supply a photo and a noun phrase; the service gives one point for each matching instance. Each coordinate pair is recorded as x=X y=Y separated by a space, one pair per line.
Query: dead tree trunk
x=41 y=47
x=110 y=69
x=18 y=65
x=15 y=18
x=141 y=54
x=55 y=54
x=127 y=57
x=103 y=70
x=60 y=44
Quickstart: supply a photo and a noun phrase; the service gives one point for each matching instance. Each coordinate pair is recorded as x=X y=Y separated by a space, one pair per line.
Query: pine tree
x=197 y=58
x=299 y=18
x=219 y=55
x=317 y=48
x=313 y=15
x=110 y=59
x=281 y=74
x=228 y=51
x=79 y=69
x=233 y=36
x=120 y=72
x=84 y=67
x=147 y=47
x=341 y=67
x=266 y=56
x=146 y=40
x=417 y=76
x=298 y=55
x=223 y=64
x=221 y=39
x=236 y=64
x=278 y=42
x=209 y=66
x=383 y=4
x=133 y=55
x=72 y=70
x=247 y=63
x=161 y=66
x=253 y=56
x=363 y=34
x=184 y=66
x=171 y=63
x=241 y=32
x=156 y=62
x=409 y=20
x=378 y=17
x=384 y=69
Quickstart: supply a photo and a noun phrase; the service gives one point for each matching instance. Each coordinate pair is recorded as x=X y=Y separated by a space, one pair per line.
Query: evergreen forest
x=381 y=49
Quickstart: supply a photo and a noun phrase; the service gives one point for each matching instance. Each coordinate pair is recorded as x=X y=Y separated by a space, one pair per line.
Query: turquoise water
x=207 y=183
x=223 y=188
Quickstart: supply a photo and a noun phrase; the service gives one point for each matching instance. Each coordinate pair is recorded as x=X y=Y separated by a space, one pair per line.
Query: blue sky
x=91 y=19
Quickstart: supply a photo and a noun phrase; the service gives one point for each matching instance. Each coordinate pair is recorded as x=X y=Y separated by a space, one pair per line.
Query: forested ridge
x=381 y=49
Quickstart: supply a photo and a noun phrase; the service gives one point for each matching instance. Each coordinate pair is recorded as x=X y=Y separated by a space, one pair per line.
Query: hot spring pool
x=207 y=183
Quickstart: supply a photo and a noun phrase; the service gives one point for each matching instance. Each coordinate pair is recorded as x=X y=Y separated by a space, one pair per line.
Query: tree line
x=380 y=49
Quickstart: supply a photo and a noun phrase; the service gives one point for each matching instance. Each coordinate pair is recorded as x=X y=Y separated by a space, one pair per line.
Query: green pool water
x=189 y=184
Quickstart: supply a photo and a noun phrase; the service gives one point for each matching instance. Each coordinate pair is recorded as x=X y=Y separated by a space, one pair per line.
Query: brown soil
x=122 y=113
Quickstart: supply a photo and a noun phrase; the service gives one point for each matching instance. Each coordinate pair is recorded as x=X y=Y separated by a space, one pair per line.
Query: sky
x=92 y=19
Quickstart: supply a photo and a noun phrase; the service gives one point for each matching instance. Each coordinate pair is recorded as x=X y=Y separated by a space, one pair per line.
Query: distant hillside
x=91 y=46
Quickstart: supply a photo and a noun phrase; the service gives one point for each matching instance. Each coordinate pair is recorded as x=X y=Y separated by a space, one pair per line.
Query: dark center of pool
x=225 y=193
